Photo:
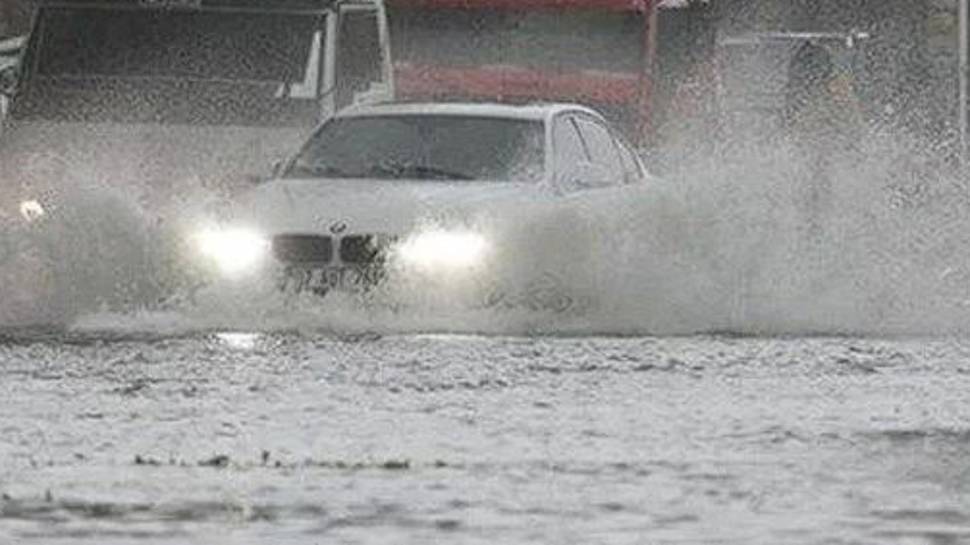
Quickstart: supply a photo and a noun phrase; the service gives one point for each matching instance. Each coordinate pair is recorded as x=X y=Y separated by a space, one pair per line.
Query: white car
x=418 y=188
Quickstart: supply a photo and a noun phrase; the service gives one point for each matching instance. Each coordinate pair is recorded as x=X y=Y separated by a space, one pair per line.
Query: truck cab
x=151 y=94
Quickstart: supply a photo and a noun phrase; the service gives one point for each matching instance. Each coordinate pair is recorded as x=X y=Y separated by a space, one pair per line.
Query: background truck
x=148 y=94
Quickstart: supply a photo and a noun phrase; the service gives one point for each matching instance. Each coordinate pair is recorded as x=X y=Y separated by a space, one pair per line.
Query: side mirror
x=585 y=176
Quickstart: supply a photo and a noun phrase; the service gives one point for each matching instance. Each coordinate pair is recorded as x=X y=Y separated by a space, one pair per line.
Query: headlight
x=444 y=249
x=233 y=250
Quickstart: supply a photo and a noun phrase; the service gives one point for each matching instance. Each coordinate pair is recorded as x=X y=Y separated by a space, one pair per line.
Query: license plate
x=332 y=278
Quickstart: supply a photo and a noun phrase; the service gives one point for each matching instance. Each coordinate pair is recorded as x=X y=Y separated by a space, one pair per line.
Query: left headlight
x=234 y=250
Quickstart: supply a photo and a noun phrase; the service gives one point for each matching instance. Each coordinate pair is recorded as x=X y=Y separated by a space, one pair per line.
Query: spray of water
x=756 y=236
x=741 y=245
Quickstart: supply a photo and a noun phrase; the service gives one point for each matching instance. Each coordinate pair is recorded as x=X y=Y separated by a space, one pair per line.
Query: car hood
x=376 y=206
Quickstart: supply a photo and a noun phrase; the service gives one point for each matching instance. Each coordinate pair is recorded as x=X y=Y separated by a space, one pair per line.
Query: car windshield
x=424 y=147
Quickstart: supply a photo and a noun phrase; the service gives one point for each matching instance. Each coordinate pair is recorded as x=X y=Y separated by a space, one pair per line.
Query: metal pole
x=964 y=45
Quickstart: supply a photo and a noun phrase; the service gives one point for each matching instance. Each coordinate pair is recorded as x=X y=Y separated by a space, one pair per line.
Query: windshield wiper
x=422 y=172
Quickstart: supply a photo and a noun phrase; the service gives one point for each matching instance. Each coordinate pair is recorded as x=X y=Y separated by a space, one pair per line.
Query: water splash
x=760 y=238
x=741 y=246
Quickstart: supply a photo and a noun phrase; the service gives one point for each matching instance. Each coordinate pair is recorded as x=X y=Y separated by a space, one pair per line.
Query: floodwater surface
x=312 y=438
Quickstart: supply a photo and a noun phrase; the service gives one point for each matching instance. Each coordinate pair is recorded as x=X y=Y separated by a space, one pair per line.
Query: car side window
x=602 y=148
x=570 y=152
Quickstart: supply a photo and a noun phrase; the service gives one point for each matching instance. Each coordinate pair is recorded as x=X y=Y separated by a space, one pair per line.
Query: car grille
x=363 y=249
x=303 y=249
x=319 y=250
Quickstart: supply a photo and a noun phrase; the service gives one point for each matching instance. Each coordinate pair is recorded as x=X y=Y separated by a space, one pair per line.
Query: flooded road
x=311 y=438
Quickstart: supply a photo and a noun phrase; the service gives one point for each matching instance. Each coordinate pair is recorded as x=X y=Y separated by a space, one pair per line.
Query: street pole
x=964 y=45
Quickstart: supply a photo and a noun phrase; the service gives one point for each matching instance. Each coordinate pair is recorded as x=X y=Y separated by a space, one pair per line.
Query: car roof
x=534 y=112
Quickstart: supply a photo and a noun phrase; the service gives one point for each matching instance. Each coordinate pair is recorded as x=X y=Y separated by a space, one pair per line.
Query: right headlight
x=444 y=249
